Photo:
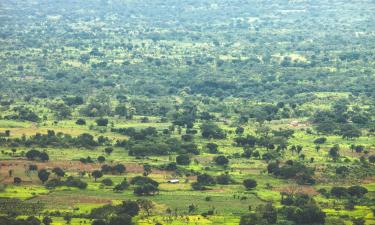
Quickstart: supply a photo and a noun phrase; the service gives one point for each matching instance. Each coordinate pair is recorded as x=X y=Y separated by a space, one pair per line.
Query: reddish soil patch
x=369 y=180
x=19 y=168
x=71 y=200
x=297 y=190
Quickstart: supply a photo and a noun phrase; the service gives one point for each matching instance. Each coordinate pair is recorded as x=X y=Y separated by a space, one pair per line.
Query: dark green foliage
x=97 y=174
x=183 y=160
x=357 y=191
x=146 y=189
x=130 y=208
x=212 y=148
x=140 y=180
x=342 y=170
x=35 y=154
x=101 y=159
x=107 y=182
x=121 y=186
x=43 y=175
x=249 y=183
x=69 y=182
x=264 y=214
x=224 y=179
x=206 y=179
x=334 y=152
x=320 y=140
x=58 y=171
x=221 y=160
x=302 y=209
x=122 y=219
x=17 y=180
x=212 y=130
x=292 y=170
x=339 y=192
x=98 y=222
x=102 y=122
x=81 y=122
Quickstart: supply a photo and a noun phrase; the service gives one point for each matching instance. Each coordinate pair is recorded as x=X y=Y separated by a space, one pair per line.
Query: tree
x=334 y=152
x=212 y=148
x=108 y=150
x=58 y=171
x=249 y=183
x=44 y=156
x=349 y=131
x=122 y=219
x=107 y=182
x=306 y=214
x=206 y=179
x=97 y=174
x=358 y=221
x=47 y=220
x=357 y=191
x=183 y=159
x=129 y=207
x=320 y=140
x=224 y=179
x=239 y=130
x=17 y=181
x=221 y=160
x=339 y=192
x=359 y=148
x=121 y=186
x=273 y=167
x=101 y=159
x=103 y=122
x=68 y=218
x=146 y=189
x=119 y=168
x=121 y=110
x=141 y=180
x=99 y=222
x=250 y=219
x=268 y=212
x=147 y=169
x=146 y=205
x=81 y=122
x=342 y=170
x=212 y=130
x=43 y=175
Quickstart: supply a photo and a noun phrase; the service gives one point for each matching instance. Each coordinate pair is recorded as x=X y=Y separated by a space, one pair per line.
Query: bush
x=339 y=192
x=107 y=182
x=221 y=160
x=102 y=122
x=249 y=183
x=121 y=186
x=183 y=160
x=206 y=179
x=139 y=180
x=17 y=180
x=357 y=191
x=81 y=122
x=146 y=189
x=224 y=179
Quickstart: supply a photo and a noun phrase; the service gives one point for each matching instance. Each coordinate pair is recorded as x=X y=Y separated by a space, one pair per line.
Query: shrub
x=107 y=182
x=249 y=183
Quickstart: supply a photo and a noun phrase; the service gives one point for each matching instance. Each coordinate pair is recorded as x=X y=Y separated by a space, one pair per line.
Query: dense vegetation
x=187 y=112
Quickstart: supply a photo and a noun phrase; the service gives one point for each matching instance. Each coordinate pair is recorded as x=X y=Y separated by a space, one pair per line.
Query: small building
x=174 y=181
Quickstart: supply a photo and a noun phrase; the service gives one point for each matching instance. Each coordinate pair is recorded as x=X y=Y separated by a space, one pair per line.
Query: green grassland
x=224 y=199
x=271 y=68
